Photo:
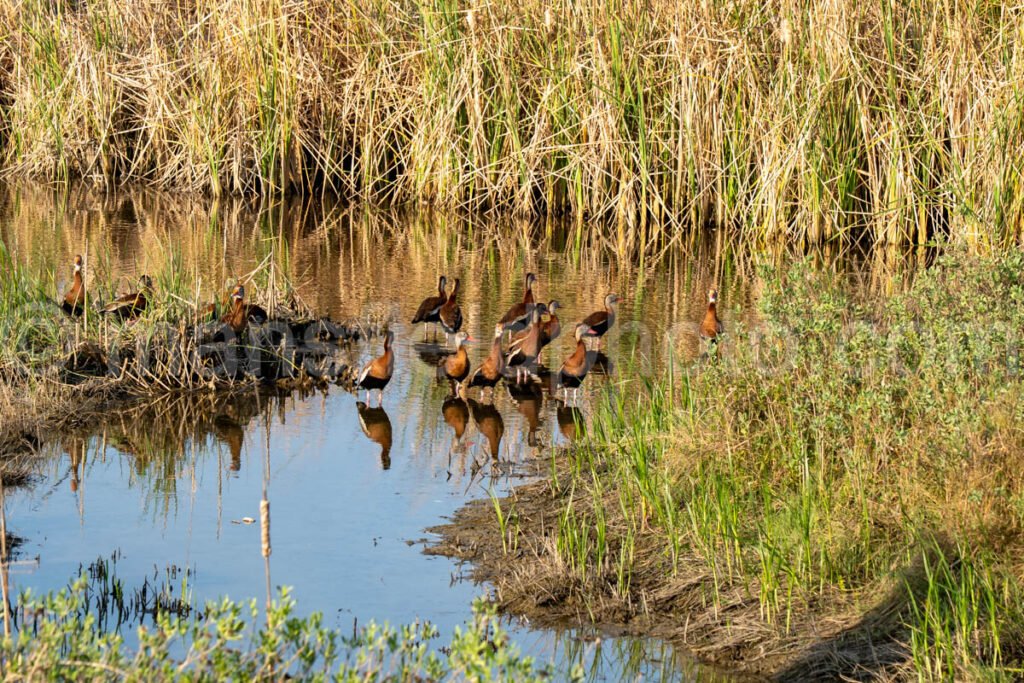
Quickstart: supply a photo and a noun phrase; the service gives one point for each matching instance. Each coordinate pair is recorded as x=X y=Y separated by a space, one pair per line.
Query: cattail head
x=785 y=31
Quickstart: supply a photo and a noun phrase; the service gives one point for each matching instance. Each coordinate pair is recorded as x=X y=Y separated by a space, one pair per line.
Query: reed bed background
x=898 y=122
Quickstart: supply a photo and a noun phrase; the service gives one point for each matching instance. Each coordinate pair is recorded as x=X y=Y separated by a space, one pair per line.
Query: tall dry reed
x=805 y=120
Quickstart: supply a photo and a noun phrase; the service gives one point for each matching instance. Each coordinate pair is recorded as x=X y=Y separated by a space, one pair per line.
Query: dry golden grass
x=805 y=120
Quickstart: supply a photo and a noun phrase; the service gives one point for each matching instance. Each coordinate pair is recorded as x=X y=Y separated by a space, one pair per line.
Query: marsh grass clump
x=837 y=493
x=809 y=121
x=175 y=343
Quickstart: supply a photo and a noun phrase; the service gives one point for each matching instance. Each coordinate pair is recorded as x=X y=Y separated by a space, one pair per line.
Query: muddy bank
x=847 y=636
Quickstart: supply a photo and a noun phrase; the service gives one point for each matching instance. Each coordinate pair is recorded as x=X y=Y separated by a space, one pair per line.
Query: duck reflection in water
x=76 y=450
x=433 y=354
x=570 y=421
x=456 y=414
x=489 y=423
x=600 y=363
x=230 y=432
x=529 y=399
x=376 y=425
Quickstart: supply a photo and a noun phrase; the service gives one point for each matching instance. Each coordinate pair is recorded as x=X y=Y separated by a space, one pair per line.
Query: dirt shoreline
x=827 y=640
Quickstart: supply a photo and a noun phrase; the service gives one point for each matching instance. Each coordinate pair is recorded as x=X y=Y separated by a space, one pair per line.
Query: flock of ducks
x=530 y=326
x=232 y=309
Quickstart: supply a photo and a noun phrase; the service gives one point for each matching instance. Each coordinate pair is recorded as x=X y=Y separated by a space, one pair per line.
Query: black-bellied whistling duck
x=376 y=425
x=524 y=353
x=488 y=421
x=235 y=318
x=711 y=326
x=490 y=371
x=430 y=310
x=456 y=366
x=216 y=309
x=517 y=317
x=378 y=371
x=600 y=322
x=213 y=311
x=256 y=314
x=574 y=369
x=74 y=299
x=450 y=314
x=549 y=329
x=131 y=305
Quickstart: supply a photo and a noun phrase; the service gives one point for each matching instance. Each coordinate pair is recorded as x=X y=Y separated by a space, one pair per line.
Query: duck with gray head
x=600 y=322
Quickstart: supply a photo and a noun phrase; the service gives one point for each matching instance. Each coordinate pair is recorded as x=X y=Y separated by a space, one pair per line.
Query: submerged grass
x=59 y=634
x=812 y=121
x=836 y=492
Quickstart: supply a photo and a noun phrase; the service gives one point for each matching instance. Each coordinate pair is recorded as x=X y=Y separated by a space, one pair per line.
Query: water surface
x=166 y=490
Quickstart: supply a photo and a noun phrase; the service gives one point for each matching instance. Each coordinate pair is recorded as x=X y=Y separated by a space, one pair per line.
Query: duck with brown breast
x=491 y=369
x=429 y=311
x=235 y=318
x=450 y=314
x=456 y=366
x=517 y=318
x=524 y=354
x=574 y=369
x=74 y=300
x=132 y=305
x=600 y=322
x=711 y=326
x=377 y=373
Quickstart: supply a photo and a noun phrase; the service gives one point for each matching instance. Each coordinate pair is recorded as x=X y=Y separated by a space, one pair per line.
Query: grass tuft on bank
x=838 y=492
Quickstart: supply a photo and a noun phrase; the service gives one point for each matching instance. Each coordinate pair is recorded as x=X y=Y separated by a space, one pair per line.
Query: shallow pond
x=163 y=493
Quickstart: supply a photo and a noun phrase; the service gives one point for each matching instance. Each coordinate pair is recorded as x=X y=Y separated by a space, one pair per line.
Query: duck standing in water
x=550 y=329
x=130 y=306
x=456 y=366
x=74 y=300
x=524 y=354
x=450 y=314
x=489 y=373
x=517 y=318
x=600 y=322
x=574 y=369
x=430 y=310
x=378 y=371
x=711 y=326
